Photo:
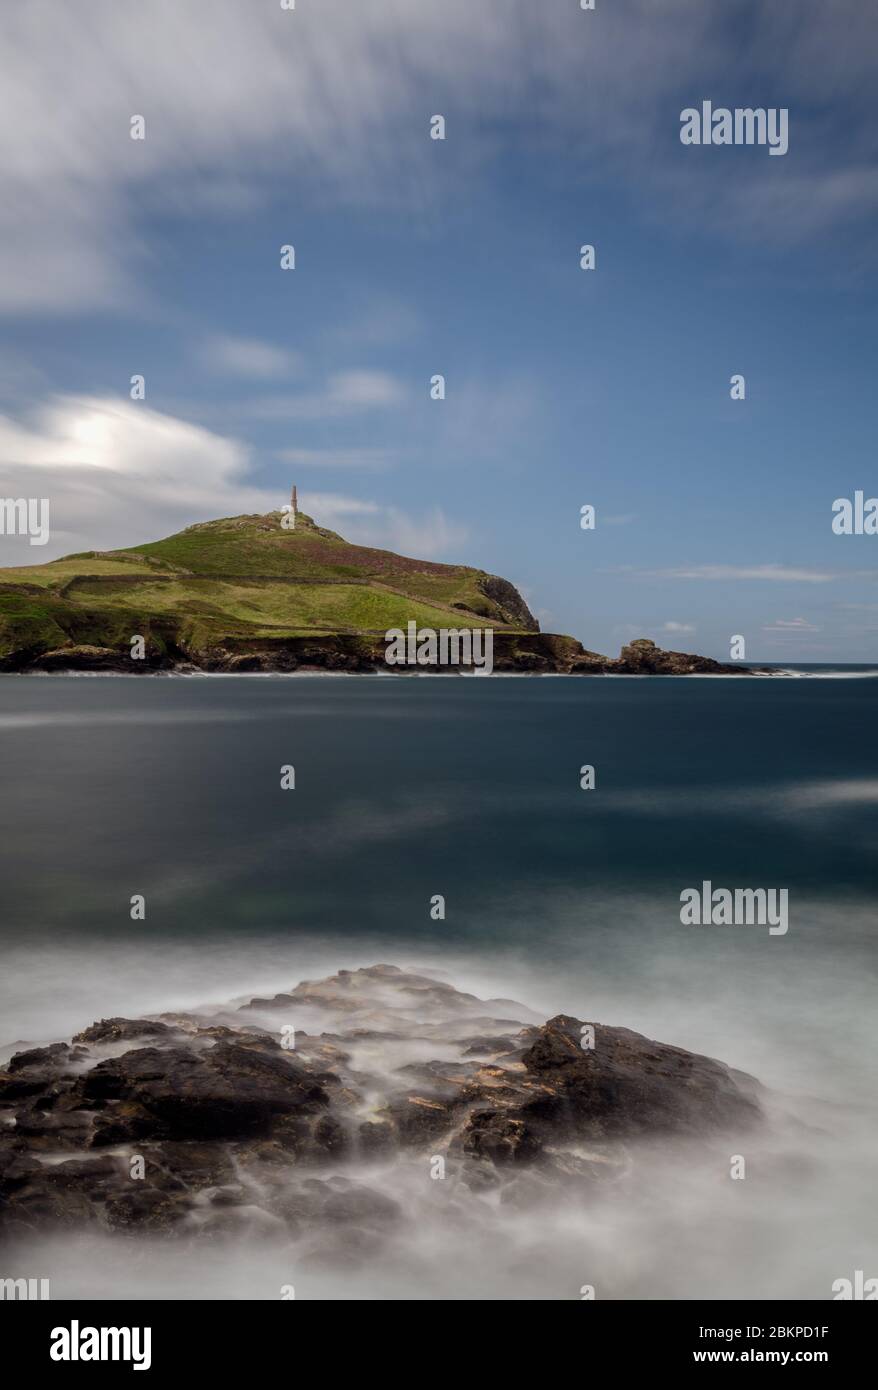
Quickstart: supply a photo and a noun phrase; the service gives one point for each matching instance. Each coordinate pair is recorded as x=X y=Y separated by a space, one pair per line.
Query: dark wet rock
x=189 y=1164
x=121 y=1122
x=376 y=1137
x=320 y=1052
x=29 y=1081
x=112 y=1030
x=66 y=1127
x=279 y=1001
x=233 y=1131
x=143 y=1207
x=487 y=1047
x=248 y=1036
x=446 y=1078
x=227 y=1091
x=499 y=1136
x=361 y=1206
x=78 y=657
x=17 y=1166
x=84 y=1172
x=526 y=652
x=420 y=1119
x=331 y=1136
x=628 y=1085
x=228 y=1197
x=43 y=1057
x=42 y=1205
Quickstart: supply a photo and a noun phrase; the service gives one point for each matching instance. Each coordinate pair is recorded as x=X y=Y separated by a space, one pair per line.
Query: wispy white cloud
x=237 y=96
x=781 y=574
x=485 y=416
x=345 y=393
x=431 y=535
x=678 y=627
x=789 y=627
x=248 y=357
x=117 y=473
x=375 y=321
x=369 y=460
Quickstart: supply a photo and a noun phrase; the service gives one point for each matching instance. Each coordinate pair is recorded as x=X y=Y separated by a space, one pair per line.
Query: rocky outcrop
x=643 y=657
x=77 y=657
x=300 y=1111
x=536 y=653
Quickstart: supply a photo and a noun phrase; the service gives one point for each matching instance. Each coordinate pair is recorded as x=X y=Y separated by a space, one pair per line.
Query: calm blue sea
x=405 y=789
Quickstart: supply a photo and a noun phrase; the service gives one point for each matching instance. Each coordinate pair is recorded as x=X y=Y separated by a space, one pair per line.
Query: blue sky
x=415 y=257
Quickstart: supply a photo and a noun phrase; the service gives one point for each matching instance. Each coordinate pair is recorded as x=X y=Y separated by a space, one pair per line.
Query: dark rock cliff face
x=388 y=1068
x=510 y=602
x=537 y=653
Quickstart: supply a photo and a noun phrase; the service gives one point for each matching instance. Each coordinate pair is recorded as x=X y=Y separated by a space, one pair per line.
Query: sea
x=400 y=790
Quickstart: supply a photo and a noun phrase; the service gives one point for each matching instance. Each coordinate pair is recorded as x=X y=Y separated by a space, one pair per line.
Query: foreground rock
x=230 y=1124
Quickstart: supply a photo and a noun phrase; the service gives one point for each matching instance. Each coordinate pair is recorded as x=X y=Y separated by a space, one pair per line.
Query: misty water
x=565 y=899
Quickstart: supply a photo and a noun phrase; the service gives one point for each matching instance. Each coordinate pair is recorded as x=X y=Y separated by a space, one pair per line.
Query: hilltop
x=244 y=594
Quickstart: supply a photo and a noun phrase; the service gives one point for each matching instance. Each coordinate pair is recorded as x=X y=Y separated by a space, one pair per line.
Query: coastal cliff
x=244 y=594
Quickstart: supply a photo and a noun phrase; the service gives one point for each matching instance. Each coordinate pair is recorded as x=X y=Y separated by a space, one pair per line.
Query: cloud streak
x=345 y=393
x=367 y=460
x=240 y=98
x=249 y=358
x=118 y=473
x=774 y=574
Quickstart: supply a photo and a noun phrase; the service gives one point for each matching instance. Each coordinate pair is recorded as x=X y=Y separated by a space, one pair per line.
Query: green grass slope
x=237 y=579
